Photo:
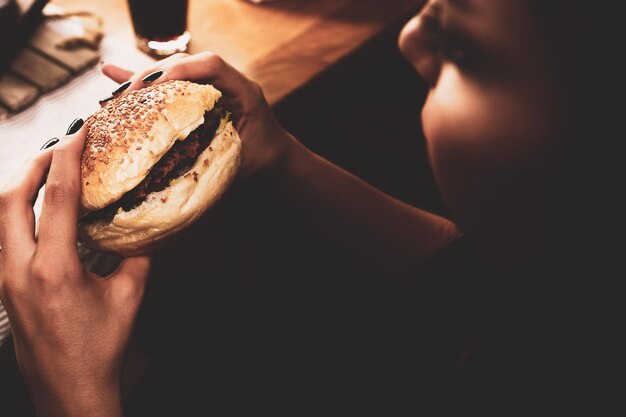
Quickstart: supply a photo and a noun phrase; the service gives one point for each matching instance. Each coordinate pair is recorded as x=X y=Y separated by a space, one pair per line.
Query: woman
x=502 y=120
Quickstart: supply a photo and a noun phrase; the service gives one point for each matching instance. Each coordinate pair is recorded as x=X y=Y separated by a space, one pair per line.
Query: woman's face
x=490 y=118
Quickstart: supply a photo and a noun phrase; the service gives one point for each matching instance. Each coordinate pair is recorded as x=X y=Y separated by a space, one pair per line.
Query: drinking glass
x=160 y=25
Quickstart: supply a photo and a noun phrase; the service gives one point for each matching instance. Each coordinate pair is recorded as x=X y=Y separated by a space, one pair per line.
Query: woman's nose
x=419 y=43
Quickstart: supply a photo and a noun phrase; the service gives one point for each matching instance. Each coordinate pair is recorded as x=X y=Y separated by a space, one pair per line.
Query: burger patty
x=176 y=162
x=179 y=159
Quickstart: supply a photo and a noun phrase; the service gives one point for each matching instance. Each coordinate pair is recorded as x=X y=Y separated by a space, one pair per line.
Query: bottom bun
x=145 y=227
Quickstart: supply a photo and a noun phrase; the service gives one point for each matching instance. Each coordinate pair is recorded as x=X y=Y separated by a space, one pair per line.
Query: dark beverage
x=160 y=25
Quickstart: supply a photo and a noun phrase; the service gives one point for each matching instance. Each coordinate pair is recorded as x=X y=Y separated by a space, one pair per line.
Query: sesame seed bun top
x=132 y=132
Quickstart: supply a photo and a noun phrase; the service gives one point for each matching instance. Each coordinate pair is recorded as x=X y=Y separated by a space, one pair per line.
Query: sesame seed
x=129 y=118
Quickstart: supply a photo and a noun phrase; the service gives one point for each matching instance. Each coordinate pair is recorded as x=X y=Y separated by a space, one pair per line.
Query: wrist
x=79 y=399
x=291 y=162
x=275 y=163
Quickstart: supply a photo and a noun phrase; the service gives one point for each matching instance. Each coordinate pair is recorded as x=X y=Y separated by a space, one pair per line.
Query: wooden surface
x=280 y=44
x=45 y=41
x=40 y=71
x=16 y=93
x=40 y=66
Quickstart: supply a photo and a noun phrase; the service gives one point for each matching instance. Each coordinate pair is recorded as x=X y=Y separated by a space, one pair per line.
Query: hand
x=266 y=144
x=71 y=328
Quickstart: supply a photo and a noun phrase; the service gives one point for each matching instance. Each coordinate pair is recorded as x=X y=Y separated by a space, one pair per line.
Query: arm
x=394 y=237
x=71 y=328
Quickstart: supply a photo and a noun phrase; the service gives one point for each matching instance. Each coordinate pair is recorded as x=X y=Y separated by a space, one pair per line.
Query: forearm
x=393 y=237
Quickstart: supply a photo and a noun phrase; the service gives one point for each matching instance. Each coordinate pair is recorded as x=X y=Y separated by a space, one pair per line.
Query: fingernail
x=121 y=88
x=151 y=77
x=104 y=100
x=49 y=144
x=75 y=126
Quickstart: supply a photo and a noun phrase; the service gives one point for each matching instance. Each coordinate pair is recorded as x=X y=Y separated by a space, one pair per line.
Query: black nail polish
x=49 y=144
x=75 y=126
x=152 y=77
x=104 y=100
x=121 y=88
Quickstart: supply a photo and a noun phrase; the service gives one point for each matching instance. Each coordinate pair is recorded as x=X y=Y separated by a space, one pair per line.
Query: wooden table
x=282 y=45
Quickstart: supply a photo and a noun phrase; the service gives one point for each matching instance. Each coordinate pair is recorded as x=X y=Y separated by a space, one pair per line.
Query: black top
x=300 y=349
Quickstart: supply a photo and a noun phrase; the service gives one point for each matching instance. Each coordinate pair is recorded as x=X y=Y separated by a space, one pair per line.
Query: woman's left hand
x=267 y=145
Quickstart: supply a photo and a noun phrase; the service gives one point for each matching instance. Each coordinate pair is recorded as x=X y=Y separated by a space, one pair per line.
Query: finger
x=59 y=214
x=122 y=75
x=208 y=67
x=135 y=268
x=129 y=280
x=203 y=67
x=17 y=220
x=137 y=79
x=239 y=93
x=117 y=74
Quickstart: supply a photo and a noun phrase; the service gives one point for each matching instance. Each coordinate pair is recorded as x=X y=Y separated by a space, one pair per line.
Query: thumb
x=131 y=276
x=136 y=268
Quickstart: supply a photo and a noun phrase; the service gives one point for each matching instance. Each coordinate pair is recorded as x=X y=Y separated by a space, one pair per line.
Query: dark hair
x=582 y=40
x=570 y=297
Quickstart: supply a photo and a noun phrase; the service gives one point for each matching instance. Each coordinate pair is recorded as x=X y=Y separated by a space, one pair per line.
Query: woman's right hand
x=71 y=328
x=266 y=143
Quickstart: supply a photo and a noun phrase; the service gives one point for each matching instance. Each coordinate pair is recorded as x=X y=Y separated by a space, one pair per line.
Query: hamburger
x=155 y=160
